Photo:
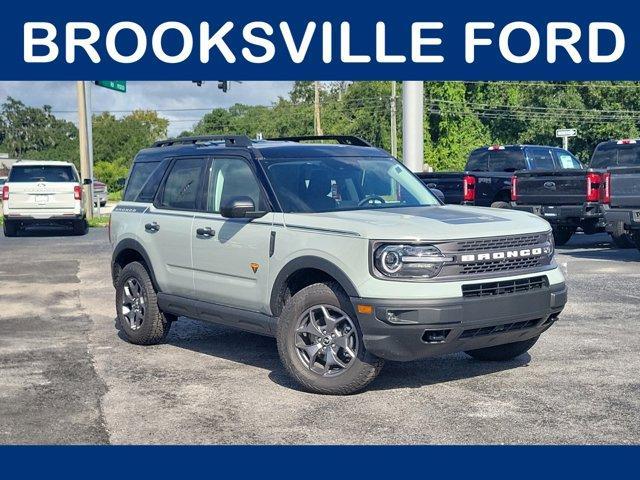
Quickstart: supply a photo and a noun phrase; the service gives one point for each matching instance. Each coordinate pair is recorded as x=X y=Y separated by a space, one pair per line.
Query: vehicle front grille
x=476 y=257
x=506 y=287
x=500 y=242
x=505 y=327
x=505 y=265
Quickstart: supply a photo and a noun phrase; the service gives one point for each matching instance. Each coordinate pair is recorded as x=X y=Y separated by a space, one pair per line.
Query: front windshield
x=345 y=183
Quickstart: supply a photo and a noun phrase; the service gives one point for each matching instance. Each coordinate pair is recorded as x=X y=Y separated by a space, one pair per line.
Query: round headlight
x=409 y=261
x=391 y=261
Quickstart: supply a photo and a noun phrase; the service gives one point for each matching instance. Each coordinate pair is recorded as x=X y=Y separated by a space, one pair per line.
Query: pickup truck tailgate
x=448 y=183
x=562 y=187
x=625 y=187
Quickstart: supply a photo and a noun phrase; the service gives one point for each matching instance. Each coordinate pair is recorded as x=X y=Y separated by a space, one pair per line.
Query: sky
x=171 y=96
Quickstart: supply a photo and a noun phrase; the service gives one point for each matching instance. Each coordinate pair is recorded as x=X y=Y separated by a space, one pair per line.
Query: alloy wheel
x=326 y=340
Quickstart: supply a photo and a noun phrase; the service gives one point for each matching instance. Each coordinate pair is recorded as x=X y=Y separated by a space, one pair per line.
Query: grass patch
x=101 y=221
x=115 y=196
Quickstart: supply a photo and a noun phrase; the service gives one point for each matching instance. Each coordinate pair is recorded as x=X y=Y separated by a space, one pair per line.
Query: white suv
x=42 y=192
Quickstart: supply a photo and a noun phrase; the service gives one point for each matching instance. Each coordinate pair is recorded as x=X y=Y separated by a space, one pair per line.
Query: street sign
x=117 y=85
x=566 y=132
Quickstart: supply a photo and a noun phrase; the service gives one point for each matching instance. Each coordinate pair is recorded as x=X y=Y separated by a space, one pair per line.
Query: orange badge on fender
x=254 y=267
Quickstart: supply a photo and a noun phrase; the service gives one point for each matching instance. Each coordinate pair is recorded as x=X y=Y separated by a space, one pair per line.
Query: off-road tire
x=500 y=205
x=359 y=374
x=80 y=227
x=501 y=353
x=561 y=235
x=155 y=326
x=620 y=237
x=10 y=228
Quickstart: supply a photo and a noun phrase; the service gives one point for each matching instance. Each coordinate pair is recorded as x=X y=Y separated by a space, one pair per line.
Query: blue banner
x=314 y=461
x=327 y=40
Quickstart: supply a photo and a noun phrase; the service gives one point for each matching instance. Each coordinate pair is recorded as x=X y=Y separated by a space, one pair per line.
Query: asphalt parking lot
x=66 y=376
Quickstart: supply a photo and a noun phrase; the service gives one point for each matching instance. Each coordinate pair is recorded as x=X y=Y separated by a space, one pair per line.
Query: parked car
x=486 y=181
x=570 y=199
x=42 y=193
x=621 y=192
x=100 y=193
x=338 y=251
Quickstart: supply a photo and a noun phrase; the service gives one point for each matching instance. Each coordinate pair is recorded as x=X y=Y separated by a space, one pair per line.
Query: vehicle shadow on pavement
x=261 y=352
x=46 y=232
x=616 y=255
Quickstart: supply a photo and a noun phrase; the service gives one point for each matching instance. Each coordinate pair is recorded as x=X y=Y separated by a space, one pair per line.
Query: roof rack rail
x=229 y=140
x=341 y=139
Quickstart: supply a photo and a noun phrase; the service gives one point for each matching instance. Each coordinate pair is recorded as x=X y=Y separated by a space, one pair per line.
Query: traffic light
x=223 y=85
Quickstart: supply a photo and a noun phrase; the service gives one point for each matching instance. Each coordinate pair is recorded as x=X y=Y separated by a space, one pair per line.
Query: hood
x=447 y=222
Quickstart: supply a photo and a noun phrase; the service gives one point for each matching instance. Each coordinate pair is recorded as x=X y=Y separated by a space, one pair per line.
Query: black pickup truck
x=486 y=181
x=570 y=198
x=621 y=192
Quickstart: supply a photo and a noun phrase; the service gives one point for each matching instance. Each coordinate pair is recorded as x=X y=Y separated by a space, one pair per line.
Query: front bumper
x=405 y=330
x=629 y=216
x=566 y=215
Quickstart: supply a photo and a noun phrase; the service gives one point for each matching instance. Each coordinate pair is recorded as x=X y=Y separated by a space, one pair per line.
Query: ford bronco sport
x=337 y=250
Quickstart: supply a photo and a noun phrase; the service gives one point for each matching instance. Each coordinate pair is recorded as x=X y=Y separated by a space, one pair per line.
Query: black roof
x=279 y=148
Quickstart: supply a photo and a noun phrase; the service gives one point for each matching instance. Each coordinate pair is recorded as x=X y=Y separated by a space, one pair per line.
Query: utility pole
x=413 y=125
x=85 y=156
x=316 y=108
x=394 y=129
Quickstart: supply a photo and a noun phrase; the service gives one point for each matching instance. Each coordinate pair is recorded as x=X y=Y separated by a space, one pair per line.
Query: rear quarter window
x=143 y=181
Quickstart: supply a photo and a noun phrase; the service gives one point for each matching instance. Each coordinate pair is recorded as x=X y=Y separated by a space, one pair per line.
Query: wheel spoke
x=344 y=343
x=310 y=328
x=127 y=294
x=329 y=321
x=332 y=360
x=312 y=353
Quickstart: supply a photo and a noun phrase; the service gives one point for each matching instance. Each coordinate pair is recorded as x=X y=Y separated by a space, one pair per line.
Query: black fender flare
x=316 y=263
x=130 y=244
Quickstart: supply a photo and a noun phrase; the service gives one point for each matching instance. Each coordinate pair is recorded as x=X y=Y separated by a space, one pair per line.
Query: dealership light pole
x=394 y=125
x=84 y=137
x=413 y=125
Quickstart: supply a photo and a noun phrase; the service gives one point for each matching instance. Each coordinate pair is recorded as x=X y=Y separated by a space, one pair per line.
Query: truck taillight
x=593 y=186
x=469 y=188
x=5 y=193
x=514 y=188
x=605 y=190
x=77 y=192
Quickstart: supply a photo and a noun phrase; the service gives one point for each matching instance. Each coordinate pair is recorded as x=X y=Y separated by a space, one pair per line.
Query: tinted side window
x=183 y=183
x=477 y=161
x=506 y=161
x=139 y=175
x=232 y=177
x=540 y=159
x=148 y=192
x=565 y=160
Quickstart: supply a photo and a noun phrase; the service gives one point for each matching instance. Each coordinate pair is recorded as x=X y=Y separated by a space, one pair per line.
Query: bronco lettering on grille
x=524 y=253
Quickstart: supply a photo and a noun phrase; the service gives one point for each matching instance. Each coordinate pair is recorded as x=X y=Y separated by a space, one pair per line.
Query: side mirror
x=438 y=193
x=240 y=207
x=87 y=181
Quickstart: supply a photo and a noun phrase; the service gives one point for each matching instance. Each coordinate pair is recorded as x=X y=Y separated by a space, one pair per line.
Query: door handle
x=152 y=227
x=206 y=232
